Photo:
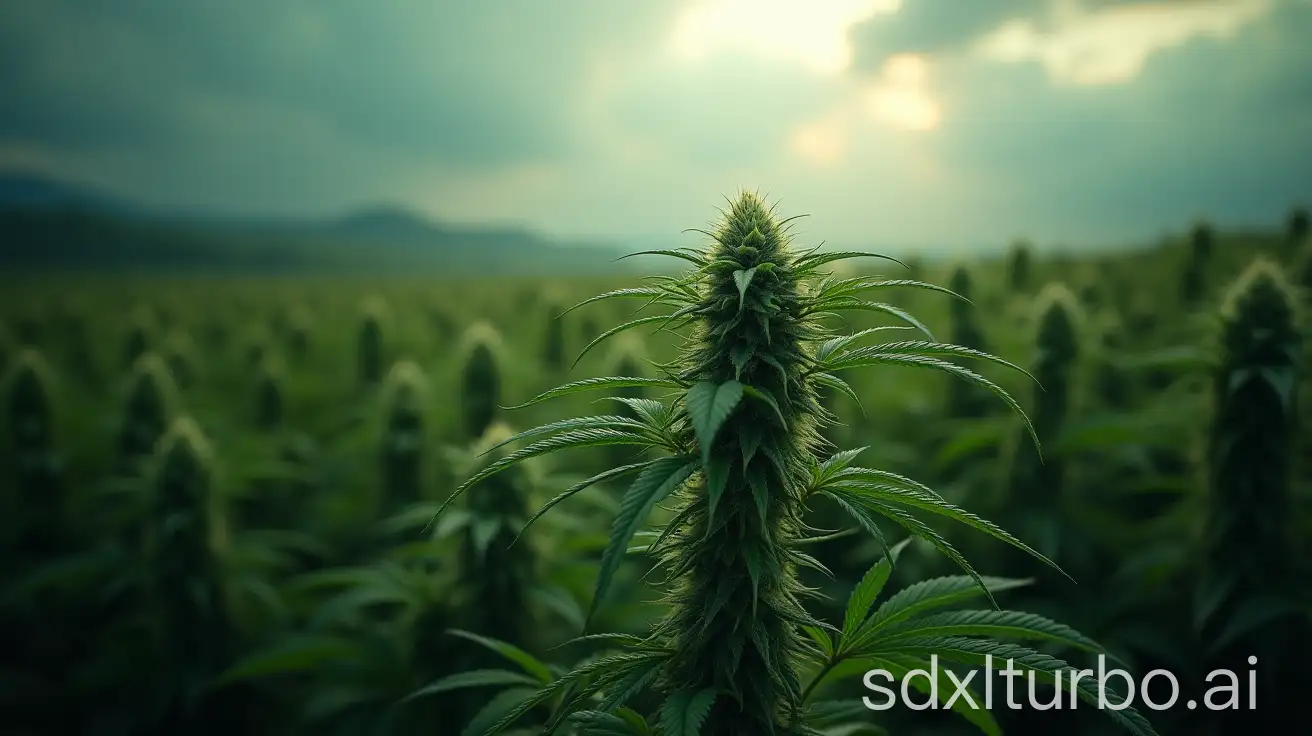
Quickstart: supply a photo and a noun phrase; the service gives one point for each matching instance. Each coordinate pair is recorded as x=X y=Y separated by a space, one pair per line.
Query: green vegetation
x=303 y=505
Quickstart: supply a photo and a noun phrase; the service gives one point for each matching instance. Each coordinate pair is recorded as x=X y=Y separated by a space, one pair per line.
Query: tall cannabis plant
x=480 y=379
x=39 y=644
x=1035 y=484
x=1193 y=278
x=1297 y=228
x=369 y=344
x=1249 y=538
x=497 y=571
x=185 y=546
x=268 y=400
x=1302 y=268
x=553 y=344
x=740 y=453
x=1020 y=264
x=30 y=433
x=151 y=403
x=403 y=438
x=965 y=400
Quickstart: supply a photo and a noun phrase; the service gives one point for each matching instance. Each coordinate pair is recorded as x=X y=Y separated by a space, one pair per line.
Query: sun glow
x=813 y=33
x=900 y=95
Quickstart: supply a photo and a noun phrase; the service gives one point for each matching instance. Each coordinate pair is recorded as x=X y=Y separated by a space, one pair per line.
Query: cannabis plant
x=35 y=635
x=965 y=400
x=403 y=438
x=1020 y=264
x=1297 y=228
x=1035 y=484
x=151 y=401
x=496 y=569
x=1193 y=279
x=741 y=459
x=29 y=430
x=369 y=348
x=1249 y=542
x=268 y=404
x=553 y=345
x=480 y=379
x=1302 y=269
x=185 y=547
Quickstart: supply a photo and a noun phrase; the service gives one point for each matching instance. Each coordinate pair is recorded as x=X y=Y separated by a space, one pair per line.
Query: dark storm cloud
x=298 y=105
x=1212 y=127
x=453 y=81
x=932 y=26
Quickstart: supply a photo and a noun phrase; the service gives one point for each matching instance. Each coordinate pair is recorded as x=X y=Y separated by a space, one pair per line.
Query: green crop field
x=221 y=495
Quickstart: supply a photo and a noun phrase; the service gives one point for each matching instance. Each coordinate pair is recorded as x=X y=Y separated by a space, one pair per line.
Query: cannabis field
x=781 y=468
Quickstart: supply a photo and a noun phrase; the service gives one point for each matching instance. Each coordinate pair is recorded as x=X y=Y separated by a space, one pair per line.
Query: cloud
x=931 y=27
x=1111 y=45
x=1211 y=127
x=448 y=83
x=915 y=126
x=813 y=33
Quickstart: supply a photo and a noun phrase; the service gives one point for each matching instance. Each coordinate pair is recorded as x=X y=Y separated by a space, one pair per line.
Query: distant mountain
x=32 y=191
x=50 y=225
x=383 y=222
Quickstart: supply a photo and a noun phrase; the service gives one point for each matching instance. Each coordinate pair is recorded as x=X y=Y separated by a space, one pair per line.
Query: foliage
x=741 y=457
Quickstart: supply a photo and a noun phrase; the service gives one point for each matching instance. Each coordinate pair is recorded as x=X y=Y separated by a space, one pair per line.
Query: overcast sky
x=920 y=123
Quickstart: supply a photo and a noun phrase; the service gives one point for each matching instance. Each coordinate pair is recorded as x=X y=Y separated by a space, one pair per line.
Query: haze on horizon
x=907 y=123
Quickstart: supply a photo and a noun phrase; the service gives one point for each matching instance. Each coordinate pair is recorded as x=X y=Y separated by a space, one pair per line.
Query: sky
x=930 y=124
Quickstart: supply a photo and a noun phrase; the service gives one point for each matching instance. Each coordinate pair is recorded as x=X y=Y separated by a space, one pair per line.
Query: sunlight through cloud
x=813 y=33
x=900 y=95
x=1111 y=45
x=820 y=143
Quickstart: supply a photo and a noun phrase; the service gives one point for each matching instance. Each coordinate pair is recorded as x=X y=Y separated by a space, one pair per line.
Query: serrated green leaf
x=708 y=407
x=654 y=483
x=683 y=713
x=510 y=652
x=574 y=439
x=867 y=590
x=594 y=422
x=717 y=477
x=995 y=625
x=936 y=505
x=472 y=678
x=601 y=477
x=769 y=401
x=589 y=384
x=599 y=339
x=743 y=279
